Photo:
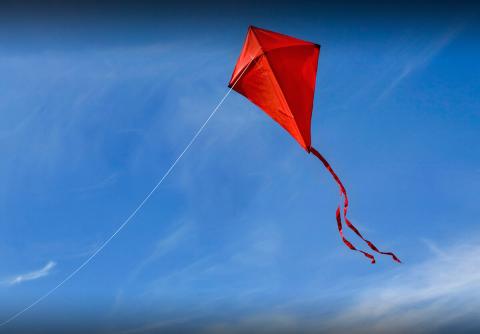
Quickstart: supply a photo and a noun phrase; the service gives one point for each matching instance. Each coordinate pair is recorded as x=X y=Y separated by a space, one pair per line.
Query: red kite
x=277 y=73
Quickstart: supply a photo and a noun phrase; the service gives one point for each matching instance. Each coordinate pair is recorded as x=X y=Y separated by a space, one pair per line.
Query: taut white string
x=142 y=203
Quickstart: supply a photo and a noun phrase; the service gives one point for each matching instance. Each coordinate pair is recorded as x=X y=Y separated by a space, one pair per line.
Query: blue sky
x=242 y=233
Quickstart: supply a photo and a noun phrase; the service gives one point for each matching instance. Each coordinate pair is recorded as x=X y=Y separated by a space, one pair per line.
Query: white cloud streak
x=163 y=247
x=440 y=293
x=446 y=288
x=31 y=276
x=105 y=182
x=421 y=59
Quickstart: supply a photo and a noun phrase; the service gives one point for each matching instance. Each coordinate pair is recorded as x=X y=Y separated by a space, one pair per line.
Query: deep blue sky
x=97 y=101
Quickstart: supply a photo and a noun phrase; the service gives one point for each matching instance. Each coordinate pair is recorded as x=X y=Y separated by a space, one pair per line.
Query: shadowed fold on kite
x=282 y=65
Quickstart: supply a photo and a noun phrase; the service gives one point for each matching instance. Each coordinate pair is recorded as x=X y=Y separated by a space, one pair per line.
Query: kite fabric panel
x=277 y=73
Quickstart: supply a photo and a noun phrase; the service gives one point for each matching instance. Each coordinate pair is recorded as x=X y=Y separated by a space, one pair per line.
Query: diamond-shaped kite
x=277 y=73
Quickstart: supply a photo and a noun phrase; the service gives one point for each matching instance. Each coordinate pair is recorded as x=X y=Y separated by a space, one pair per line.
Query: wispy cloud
x=162 y=247
x=105 y=182
x=33 y=275
x=256 y=249
x=445 y=288
x=422 y=58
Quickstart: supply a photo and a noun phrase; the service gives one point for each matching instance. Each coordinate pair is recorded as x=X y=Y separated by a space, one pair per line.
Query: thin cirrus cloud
x=30 y=276
x=439 y=293
x=445 y=288
x=162 y=247
x=422 y=58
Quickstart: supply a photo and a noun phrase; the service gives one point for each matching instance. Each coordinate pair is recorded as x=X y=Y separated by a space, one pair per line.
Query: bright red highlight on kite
x=278 y=73
x=280 y=80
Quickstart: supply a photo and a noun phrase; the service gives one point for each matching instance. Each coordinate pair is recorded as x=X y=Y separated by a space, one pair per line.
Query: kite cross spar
x=282 y=84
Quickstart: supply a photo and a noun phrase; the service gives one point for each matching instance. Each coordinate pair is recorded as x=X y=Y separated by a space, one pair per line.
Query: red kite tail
x=343 y=193
x=348 y=243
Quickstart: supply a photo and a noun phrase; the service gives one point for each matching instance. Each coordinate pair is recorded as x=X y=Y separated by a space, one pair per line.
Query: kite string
x=142 y=203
